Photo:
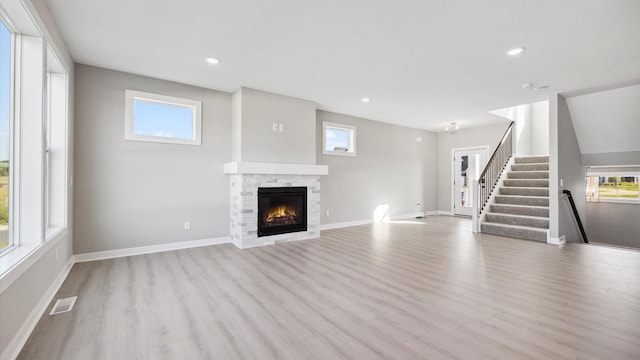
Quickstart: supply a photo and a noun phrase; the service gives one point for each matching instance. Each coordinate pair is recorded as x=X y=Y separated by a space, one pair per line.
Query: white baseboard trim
x=141 y=250
x=556 y=240
x=445 y=212
x=432 y=213
x=345 y=224
x=15 y=346
x=407 y=216
x=370 y=221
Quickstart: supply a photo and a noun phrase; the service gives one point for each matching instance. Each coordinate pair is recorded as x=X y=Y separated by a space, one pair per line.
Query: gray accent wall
x=612 y=158
x=565 y=165
x=133 y=193
x=466 y=137
x=253 y=128
x=613 y=223
x=391 y=167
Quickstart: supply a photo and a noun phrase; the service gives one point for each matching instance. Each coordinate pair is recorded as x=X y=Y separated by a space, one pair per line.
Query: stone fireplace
x=274 y=179
x=277 y=182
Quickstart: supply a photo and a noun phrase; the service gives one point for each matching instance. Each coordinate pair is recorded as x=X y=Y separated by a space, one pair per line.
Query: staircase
x=520 y=208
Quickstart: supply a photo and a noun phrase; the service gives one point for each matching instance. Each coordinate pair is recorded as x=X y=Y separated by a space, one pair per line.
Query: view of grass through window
x=5 y=132
x=618 y=187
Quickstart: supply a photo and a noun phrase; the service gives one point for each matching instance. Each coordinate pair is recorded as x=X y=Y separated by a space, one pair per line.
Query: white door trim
x=452 y=170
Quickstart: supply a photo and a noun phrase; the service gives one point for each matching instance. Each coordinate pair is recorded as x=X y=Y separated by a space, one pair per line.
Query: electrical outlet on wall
x=281 y=127
x=275 y=127
x=187 y=225
x=326 y=213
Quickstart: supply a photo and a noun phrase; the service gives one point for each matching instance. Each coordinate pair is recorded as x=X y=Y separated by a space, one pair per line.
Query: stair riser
x=529 y=167
x=527 y=234
x=517 y=220
x=527 y=182
x=516 y=210
x=533 y=159
x=528 y=175
x=524 y=192
x=522 y=201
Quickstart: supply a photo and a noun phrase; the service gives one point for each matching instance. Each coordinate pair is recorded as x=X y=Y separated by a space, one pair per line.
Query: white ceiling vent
x=63 y=305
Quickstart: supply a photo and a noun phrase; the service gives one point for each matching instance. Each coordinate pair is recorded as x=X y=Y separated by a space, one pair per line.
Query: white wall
x=132 y=193
x=607 y=121
x=522 y=130
x=540 y=128
x=390 y=168
x=259 y=110
x=469 y=137
x=19 y=302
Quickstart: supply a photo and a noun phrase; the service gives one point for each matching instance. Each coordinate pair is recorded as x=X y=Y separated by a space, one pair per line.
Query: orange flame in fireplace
x=281 y=214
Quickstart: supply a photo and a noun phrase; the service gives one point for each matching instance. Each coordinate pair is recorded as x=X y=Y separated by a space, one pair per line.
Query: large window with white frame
x=161 y=118
x=338 y=139
x=34 y=97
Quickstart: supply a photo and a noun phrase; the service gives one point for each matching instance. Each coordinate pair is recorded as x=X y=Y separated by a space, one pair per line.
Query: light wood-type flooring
x=423 y=289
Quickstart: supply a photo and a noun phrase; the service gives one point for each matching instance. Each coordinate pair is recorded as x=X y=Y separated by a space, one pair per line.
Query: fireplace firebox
x=282 y=210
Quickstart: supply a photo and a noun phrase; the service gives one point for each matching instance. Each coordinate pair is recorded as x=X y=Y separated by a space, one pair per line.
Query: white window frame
x=352 y=139
x=618 y=173
x=56 y=147
x=131 y=96
x=30 y=241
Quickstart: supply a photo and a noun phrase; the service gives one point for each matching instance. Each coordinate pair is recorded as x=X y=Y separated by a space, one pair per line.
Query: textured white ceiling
x=424 y=63
x=607 y=121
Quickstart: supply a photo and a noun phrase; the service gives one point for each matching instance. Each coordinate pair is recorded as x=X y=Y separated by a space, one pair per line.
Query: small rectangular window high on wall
x=160 y=118
x=338 y=139
x=613 y=184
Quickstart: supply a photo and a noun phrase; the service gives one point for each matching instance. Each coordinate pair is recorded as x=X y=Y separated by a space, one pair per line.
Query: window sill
x=616 y=201
x=338 y=153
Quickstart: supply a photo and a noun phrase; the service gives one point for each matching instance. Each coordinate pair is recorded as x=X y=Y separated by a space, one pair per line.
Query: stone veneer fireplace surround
x=246 y=178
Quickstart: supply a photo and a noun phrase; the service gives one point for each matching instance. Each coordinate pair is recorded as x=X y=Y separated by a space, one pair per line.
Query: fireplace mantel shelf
x=274 y=168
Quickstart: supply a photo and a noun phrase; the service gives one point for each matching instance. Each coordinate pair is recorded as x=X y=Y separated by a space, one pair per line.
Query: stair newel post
x=475 y=205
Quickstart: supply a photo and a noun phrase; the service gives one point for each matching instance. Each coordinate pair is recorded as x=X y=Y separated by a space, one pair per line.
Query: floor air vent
x=63 y=305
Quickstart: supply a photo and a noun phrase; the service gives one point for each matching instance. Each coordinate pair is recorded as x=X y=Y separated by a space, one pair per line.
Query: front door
x=467 y=165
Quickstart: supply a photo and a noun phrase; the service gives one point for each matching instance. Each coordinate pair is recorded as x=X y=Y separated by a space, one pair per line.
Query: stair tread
x=522 y=206
x=518 y=216
x=526 y=187
x=537 y=229
x=524 y=196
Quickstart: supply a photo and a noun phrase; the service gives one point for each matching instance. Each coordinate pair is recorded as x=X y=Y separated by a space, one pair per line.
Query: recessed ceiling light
x=365 y=100
x=515 y=51
x=213 y=61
